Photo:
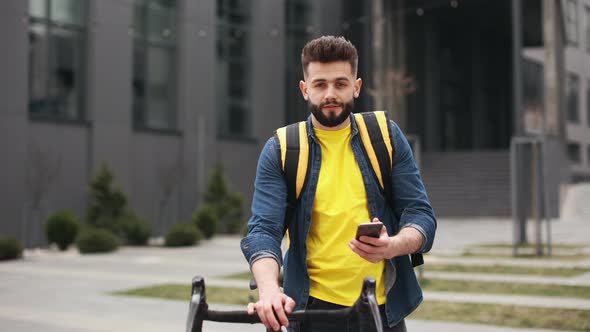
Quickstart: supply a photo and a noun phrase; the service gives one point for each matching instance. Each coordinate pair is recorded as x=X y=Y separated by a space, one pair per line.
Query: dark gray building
x=157 y=90
x=161 y=90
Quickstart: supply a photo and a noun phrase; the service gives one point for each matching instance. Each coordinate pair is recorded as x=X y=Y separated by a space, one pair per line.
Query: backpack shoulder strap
x=374 y=132
x=294 y=162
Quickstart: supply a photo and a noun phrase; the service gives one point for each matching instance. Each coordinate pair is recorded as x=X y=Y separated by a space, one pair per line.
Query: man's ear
x=303 y=88
x=357 y=87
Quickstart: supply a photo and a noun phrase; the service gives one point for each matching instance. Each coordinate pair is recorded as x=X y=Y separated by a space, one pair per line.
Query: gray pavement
x=53 y=291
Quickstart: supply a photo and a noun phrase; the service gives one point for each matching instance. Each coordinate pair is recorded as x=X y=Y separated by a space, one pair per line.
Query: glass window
x=56 y=58
x=38 y=8
x=67 y=11
x=298 y=15
x=588 y=103
x=573 y=96
x=573 y=152
x=233 y=68
x=571 y=21
x=154 y=70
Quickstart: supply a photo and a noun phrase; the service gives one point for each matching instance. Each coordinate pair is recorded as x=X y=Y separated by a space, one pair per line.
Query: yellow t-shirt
x=336 y=272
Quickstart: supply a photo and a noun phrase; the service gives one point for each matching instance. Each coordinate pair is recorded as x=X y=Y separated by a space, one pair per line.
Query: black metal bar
x=365 y=305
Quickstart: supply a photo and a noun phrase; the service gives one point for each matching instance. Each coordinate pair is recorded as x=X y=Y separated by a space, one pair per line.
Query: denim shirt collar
x=311 y=132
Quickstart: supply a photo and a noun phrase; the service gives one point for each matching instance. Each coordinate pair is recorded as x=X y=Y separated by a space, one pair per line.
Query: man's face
x=330 y=89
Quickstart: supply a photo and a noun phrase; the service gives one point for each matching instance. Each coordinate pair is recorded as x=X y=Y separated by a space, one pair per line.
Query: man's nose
x=330 y=93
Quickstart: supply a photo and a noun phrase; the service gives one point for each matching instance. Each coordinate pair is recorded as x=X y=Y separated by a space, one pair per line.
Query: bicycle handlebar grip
x=197 y=305
x=368 y=296
x=240 y=316
x=198 y=284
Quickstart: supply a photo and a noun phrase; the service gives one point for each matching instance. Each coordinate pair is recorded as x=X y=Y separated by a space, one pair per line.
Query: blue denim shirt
x=411 y=208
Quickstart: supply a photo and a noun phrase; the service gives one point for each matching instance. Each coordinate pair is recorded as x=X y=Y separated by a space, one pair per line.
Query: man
x=324 y=266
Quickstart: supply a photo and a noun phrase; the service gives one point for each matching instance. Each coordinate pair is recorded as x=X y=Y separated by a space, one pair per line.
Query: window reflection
x=573 y=95
x=154 y=50
x=233 y=68
x=571 y=21
x=67 y=11
x=56 y=55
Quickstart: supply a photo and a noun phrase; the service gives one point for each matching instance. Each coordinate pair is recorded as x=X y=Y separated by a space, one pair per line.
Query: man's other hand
x=272 y=308
x=373 y=249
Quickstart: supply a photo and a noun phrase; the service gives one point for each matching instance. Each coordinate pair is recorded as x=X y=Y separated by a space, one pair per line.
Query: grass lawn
x=502 y=315
x=226 y=295
x=492 y=269
x=463 y=286
x=503 y=269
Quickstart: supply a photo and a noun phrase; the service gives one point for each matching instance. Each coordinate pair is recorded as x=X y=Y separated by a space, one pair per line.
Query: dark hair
x=328 y=49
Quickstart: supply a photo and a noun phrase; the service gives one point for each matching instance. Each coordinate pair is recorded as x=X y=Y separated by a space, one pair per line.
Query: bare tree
x=42 y=171
x=169 y=176
x=390 y=82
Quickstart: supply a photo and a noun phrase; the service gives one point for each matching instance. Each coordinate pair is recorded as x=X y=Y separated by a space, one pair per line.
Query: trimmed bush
x=206 y=220
x=136 y=231
x=10 y=248
x=61 y=228
x=107 y=203
x=182 y=235
x=94 y=240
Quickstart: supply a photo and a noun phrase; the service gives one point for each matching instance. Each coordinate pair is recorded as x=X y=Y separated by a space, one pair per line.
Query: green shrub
x=107 y=204
x=136 y=231
x=93 y=240
x=235 y=220
x=226 y=204
x=182 y=235
x=206 y=220
x=10 y=248
x=61 y=228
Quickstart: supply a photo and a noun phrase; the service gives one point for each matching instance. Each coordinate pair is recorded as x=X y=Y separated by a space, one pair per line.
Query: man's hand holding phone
x=372 y=242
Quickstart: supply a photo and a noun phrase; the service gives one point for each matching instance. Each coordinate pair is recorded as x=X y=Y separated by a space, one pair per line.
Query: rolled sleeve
x=266 y=226
x=410 y=201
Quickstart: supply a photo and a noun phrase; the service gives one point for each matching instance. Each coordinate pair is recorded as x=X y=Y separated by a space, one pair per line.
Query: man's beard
x=332 y=119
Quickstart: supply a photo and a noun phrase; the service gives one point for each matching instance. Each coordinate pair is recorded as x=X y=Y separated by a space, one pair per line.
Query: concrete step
x=508 y=299
x=475 y=183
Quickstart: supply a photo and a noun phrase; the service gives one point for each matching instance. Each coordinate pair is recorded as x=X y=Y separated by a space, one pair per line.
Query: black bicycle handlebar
x=242 y=316
x=199 y=310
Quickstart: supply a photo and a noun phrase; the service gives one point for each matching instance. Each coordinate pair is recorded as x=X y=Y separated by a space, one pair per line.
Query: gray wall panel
x=60 y=152
x=268 y=97
x=196 y=95
x=239 y=162
x=157 y=177
x=268 y=93
x=13 y=114
x=110 y=68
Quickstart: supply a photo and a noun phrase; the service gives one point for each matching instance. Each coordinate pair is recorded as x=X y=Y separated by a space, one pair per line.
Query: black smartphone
x=372 y=229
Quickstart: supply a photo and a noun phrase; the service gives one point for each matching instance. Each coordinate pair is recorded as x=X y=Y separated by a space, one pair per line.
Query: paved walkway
x=51 y=291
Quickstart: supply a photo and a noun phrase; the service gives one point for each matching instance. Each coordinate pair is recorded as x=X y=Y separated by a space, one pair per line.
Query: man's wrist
x=407 y=241
x=391 y=252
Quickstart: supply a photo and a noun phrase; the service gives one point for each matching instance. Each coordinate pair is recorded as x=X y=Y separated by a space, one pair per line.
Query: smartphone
x=372 y=229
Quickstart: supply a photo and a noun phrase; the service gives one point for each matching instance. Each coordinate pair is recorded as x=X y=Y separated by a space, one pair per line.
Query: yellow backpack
x=374 y=132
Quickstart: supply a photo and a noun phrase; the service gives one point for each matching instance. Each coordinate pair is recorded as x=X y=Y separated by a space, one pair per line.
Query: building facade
x=162 y=90
x=159 y=91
